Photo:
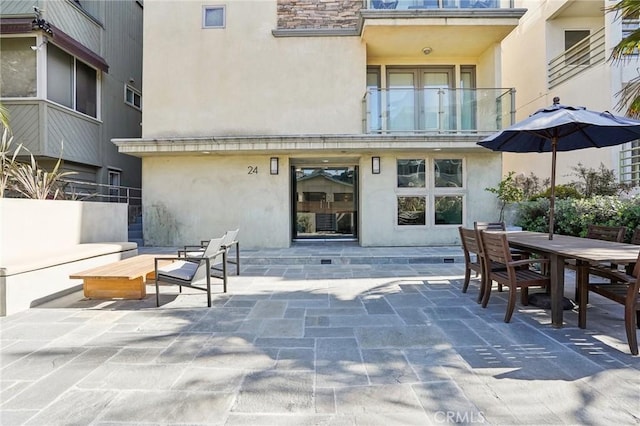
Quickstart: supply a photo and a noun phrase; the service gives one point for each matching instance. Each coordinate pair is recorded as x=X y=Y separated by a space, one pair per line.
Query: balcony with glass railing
x=438 y=4
x=437 y=111
x=579 y=58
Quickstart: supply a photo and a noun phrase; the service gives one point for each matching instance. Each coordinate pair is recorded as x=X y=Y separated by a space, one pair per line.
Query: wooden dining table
x=585 y=251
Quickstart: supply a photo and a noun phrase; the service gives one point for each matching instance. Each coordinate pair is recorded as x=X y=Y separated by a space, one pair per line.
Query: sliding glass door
x=421 y=99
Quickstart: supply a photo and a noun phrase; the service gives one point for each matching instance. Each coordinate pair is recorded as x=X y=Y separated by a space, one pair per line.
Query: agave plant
x=4 y=116
x=7 y=160
x=34 y=182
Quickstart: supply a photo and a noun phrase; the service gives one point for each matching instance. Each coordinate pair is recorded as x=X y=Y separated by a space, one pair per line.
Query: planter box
x=44 y=241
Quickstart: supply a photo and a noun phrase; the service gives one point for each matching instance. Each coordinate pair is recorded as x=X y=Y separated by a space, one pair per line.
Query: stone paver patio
x=303 y=344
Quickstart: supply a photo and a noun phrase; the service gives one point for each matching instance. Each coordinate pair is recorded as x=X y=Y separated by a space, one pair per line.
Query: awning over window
x=59 y=38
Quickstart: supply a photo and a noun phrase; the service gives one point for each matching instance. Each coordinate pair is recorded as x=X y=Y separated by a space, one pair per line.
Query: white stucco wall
x=379 y=205
x=319 y=81
x=32 y=227
x=190 y=198
x=244 y=81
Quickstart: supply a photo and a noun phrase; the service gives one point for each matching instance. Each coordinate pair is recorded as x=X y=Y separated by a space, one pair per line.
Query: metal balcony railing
x=579 y=58
x=437 y=4
x=437 y=111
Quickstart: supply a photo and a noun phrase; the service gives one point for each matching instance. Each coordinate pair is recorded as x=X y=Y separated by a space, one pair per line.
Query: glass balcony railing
x=438 y=111
x=438 y=4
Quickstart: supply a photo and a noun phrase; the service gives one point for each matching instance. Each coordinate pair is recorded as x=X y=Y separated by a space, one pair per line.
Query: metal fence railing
x=90 y=191
x=579 y=58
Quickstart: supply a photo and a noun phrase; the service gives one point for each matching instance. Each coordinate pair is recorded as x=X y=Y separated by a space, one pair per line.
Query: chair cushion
x=194 y=253
x=180 y=270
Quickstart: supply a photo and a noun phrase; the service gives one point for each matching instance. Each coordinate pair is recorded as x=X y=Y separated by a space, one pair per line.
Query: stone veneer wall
x=318 y=14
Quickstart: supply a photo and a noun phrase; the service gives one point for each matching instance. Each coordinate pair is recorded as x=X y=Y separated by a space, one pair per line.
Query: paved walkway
x=392 y=342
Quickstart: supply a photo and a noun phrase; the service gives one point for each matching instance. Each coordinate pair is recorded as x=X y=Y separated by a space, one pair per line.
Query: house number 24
x=253 y=170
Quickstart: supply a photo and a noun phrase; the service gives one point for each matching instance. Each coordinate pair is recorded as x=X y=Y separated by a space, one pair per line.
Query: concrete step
x=135 y=231
x=350 y=260
x=135 y=235
x=135 y=227
x=138 y=241
x=340 y=254
x=351 y=254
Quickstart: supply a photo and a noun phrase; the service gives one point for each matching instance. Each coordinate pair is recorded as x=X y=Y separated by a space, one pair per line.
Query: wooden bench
x=125 y=279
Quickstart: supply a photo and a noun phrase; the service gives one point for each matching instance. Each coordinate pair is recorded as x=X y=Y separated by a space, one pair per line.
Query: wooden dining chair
x=490 y=226
x=635 y=239
x=621 y=288
x=606 y=233
x=517 y=254
x=470 y=249
x=516 y=275
x=598 y=232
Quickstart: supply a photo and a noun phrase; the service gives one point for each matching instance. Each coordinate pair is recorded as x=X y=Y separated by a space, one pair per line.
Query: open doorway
x=324 y=202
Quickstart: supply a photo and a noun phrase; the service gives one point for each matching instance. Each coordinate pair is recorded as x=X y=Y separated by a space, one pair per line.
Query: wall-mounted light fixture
x=375 y=165
x=39 y=46
x=273 y=166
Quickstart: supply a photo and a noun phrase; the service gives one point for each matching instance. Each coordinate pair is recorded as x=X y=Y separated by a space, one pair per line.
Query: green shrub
x=601 y=181
x=508 y=192
x=630 y=215
x=562 y=192
x=573 y=215
x=533 y=215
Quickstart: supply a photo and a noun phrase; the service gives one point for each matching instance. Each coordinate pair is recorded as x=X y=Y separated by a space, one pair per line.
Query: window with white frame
x=213 y=16
x=443 y=190
x=132 y=97
x=448 y=198
x=71 y=83
x=412 y=192
x=18 y=67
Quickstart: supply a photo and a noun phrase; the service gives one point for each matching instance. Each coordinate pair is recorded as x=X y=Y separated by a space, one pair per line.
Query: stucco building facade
x=562 y=48
x=300 y=119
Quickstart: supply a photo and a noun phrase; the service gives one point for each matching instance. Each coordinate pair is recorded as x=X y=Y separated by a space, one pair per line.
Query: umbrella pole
x=552 y=199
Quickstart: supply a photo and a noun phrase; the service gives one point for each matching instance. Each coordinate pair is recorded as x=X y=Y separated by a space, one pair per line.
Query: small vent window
x=213 y=17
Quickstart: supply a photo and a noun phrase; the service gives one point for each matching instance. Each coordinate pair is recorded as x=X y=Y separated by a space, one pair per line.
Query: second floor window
x=71 y=83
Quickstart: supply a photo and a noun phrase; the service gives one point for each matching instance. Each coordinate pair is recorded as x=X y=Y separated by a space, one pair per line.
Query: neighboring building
x=324 y=119
x=562 y=48
x=71 y=79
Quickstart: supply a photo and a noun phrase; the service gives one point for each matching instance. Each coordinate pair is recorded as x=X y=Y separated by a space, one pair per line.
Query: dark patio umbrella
x=563 y=128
